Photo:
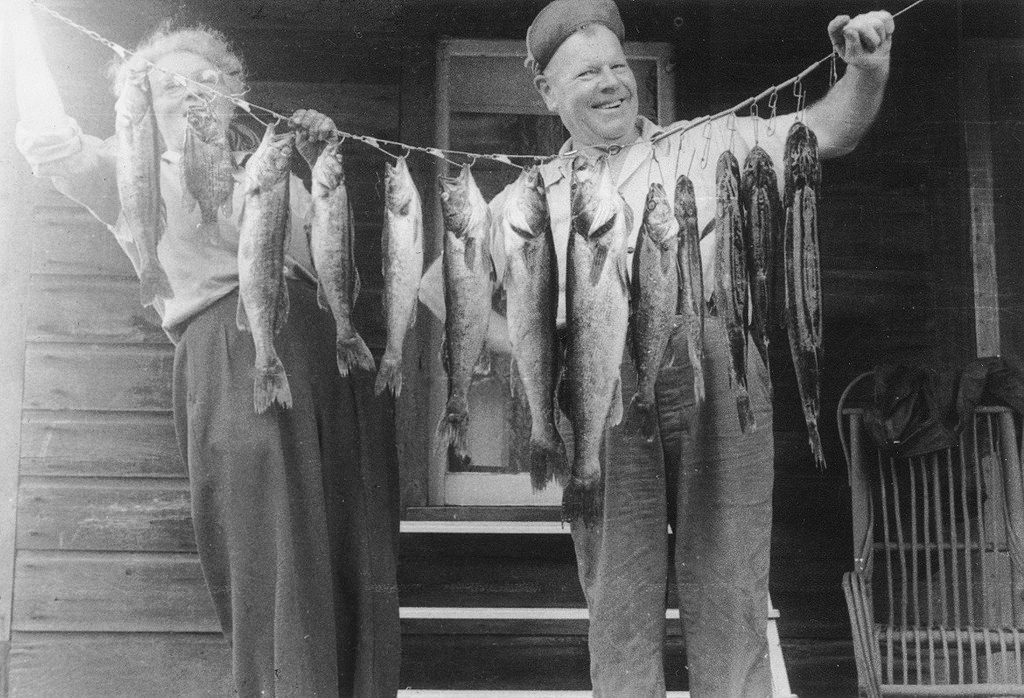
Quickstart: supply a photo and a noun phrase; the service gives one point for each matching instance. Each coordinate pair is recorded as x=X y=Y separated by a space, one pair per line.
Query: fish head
x=456 y=206
x=597 y=207
x=398 y=187
x=271 y=162
x=203 y=122
x=136 y=97
x=658 y=218
x=802 y=166
x=329 y=171
x=686 y=199
x=526 y=209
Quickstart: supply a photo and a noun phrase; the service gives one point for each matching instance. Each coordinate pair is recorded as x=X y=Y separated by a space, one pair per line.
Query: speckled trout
x=597 y=314
x=531 y=288
x=691 y=282
x=467 y=293
x=262 y=293
x=138 y=182
x=655 y=294
x=402 y=265
x=332 y=246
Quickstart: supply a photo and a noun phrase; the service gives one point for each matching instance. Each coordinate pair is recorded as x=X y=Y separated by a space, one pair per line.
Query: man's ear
x=544 y=87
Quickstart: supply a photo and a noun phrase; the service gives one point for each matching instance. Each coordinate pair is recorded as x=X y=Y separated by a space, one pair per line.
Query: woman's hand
x=312 y=131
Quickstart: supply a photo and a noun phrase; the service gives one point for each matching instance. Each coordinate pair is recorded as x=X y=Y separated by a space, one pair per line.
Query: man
x=710 y=481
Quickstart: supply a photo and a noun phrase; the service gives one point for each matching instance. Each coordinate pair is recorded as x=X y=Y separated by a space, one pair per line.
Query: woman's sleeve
x=82 y=167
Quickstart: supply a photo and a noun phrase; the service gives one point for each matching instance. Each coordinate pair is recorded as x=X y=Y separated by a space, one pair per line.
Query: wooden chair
x=936 y=596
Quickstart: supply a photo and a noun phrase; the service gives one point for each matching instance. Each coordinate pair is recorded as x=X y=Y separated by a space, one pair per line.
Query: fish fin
x=283 y=305
x=548 y=461
x=452 y=428
x=209 y=232
x=444 y=352
x=470 y=253
x=270 y=386
x=413 y=313
x=583 y=501
x=627 y=212
x=241 y=319
x=746 y=415
x=641 y=416
x=353 y=352
x=321 y=296
x=483 y=368
x=667 y=258
x=153 y=284
x=389 y=375
x=615 y=409
x=357 y=284
x=600 y=255
x=815 y=442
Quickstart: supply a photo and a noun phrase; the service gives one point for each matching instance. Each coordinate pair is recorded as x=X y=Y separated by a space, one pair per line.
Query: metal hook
x=773 y=105
x=707 y=145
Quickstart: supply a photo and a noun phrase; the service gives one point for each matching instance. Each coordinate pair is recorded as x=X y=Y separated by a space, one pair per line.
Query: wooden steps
x=504 y=597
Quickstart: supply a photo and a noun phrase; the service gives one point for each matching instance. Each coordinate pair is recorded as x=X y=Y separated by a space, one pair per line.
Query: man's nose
x=607 y=79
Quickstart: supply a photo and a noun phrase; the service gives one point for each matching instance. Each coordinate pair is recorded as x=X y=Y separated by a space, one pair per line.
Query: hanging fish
x=402 y=265
x=802 y=173
x=655 y=296
x=332 y=246
x=531 y=288
x=467 y=268
x=262 y=293
x=731 y=281
x=138 y=182
x=762 y=208
x=691 y=282
x=597 y=314
x=207 y=169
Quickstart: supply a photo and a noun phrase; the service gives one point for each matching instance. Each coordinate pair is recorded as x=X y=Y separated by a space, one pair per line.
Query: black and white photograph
x=511 y=348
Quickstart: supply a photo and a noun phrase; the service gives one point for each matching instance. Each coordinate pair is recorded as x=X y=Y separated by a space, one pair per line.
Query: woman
x=294 y=511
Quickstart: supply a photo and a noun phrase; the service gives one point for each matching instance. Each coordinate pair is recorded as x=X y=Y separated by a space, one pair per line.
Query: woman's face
x=172 y=96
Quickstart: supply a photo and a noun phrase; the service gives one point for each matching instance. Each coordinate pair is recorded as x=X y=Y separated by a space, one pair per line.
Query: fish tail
x=548 y=462
x=153 y=283
x=209 y=231
x=452 y=430
x=640 y=415
x=270 y=386
x=389 y=376
x=583 y=500
x=747 y=420
x=353 y=352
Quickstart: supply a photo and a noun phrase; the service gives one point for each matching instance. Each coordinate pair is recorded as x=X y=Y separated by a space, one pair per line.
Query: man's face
x=592 y=88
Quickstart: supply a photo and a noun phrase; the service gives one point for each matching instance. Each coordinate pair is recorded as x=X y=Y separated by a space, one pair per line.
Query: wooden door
x=486 y=103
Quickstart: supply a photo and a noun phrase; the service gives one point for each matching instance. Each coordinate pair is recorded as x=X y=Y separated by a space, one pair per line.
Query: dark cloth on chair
x=918 y=410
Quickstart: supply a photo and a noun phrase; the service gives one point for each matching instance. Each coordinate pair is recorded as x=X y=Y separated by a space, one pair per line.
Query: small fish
x=402 y=255
x=655 y=297
x=691 y=282
x=597 y=315
x=468 y=271
x=802 y=174
x=262 y=293
x=207 y=169
x=332 y=246
x=731 y=280
x=138 y=182
x=531 y=287
x=762 y=206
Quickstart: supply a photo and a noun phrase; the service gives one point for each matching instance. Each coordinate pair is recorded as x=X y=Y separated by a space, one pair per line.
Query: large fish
x=597 y=314
x=332 y=246
x=402 y=262
x=138 y=182
x=655 y=297
x=207 y=169
x=731 y=280
x=467 y=293
x=262 y=293
x=691 y=282
x=531 y=288
x=762 y=206
x=802 y=174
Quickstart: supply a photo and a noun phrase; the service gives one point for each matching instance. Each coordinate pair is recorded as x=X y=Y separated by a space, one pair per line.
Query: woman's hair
x=200 y=40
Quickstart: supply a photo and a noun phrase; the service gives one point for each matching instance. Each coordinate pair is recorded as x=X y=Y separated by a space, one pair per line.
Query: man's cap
x=561 y=19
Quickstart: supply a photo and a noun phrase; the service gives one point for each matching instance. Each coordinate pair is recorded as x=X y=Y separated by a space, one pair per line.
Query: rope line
x=771 y=93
